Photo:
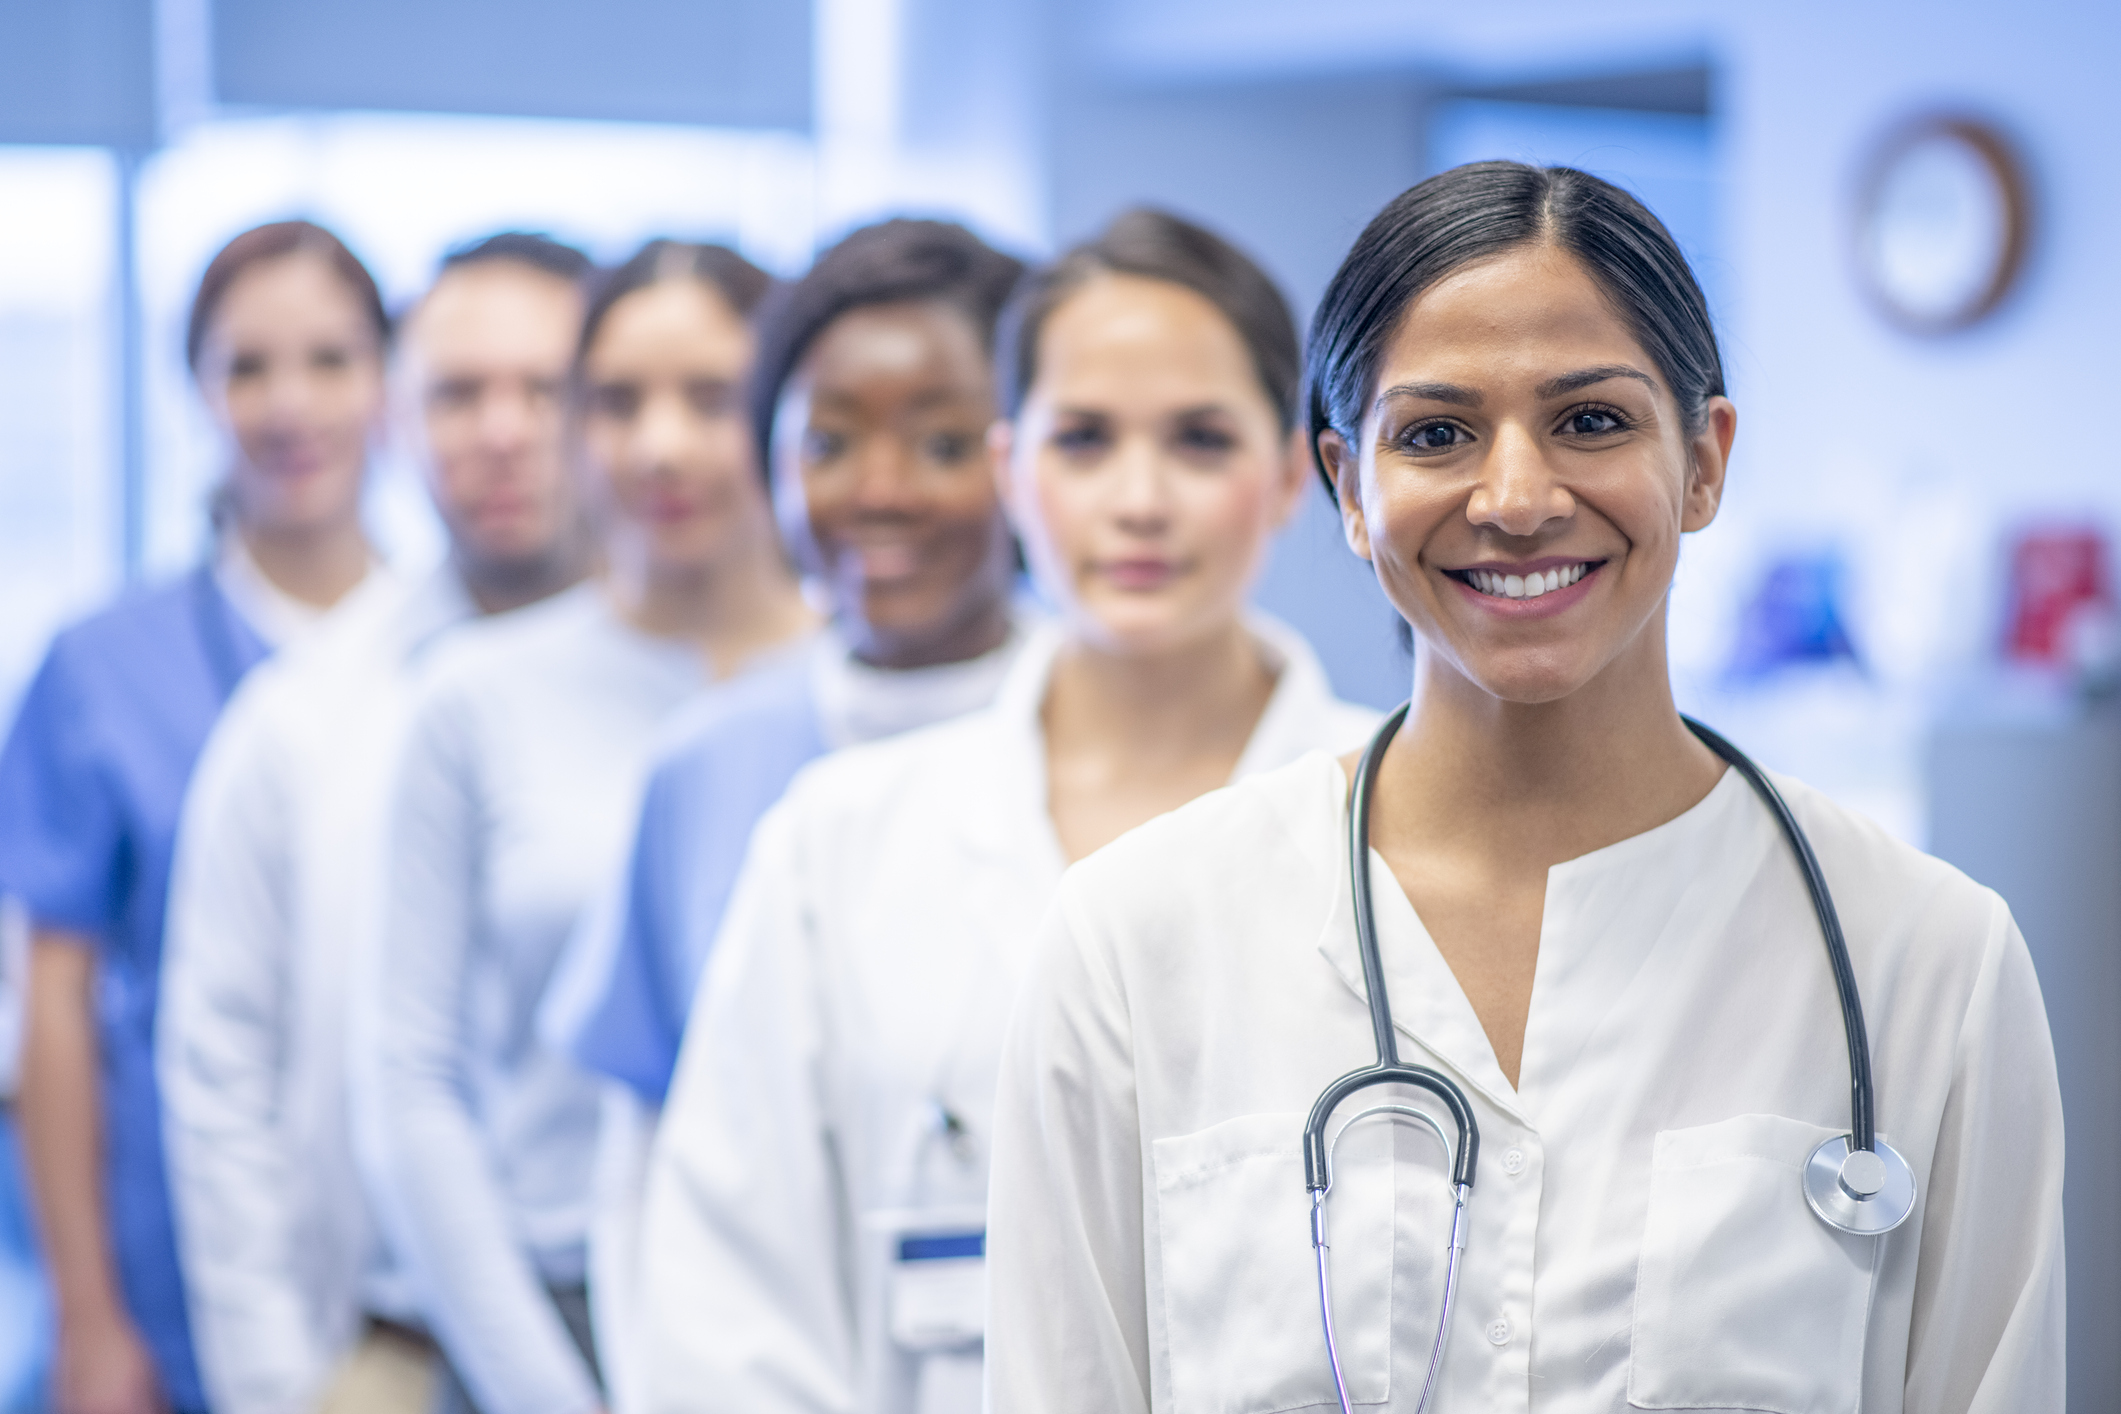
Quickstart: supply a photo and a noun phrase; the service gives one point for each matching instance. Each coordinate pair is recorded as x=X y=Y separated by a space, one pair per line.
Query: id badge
x=938 y=1288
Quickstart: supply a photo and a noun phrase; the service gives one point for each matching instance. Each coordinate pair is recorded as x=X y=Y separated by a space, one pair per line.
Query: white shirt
x=860 y=702
x=1638 y=1238
x=857 y=993
x=278 y=616
x=277 y=871
x=514 y=800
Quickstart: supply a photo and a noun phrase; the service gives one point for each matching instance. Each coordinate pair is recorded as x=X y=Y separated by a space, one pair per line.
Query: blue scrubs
x=91 y=785
x=724 y=771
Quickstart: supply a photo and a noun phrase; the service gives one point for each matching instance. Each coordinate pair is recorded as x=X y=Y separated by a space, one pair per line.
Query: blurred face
x=1524 y=477
x=483 y=371
x=1147 y=468
x=663 y=429
x=292 y=370
x=886 y=484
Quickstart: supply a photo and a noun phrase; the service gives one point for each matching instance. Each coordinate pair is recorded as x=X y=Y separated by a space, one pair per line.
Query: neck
x=315 y=564
x=1199 y=699
x=1554 y=780
x=497 y=587
x=981 y=630
x=732 y=609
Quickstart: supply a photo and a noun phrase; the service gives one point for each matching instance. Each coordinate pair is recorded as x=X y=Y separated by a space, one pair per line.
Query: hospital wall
x=1911 y=459
x=1288 y=125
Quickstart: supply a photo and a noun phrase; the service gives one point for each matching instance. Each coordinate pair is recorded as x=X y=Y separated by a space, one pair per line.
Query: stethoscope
x=1855 y=1182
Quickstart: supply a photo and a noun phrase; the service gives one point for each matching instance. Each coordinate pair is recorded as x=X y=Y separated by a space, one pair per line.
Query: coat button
x=1499 y=1331
x=1513 y=1162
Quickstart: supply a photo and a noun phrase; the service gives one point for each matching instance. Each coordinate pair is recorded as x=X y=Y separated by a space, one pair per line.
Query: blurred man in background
x=293 y=1299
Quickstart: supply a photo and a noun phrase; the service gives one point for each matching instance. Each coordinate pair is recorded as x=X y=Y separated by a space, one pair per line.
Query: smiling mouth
x=1498 y=585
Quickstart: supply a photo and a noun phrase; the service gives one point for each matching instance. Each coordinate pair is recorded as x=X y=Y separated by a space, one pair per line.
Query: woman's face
x=292 y=370
x=1524 y=477
x=885 y=483
x=663 y=428
x=1147 y=468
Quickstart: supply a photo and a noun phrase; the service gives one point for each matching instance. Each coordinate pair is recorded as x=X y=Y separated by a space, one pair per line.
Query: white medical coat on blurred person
x=833 y=1095
x=278 y=873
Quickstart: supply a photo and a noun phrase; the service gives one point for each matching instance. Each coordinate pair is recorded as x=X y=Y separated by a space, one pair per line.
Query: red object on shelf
x=2056 y=574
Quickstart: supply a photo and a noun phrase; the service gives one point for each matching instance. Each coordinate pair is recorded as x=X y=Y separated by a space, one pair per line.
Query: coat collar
x=1002 y=755
x=1606 y=913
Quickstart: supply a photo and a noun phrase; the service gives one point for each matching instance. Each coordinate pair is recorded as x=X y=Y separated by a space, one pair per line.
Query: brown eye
x=947 y=448
x=711 y=397
x=620 y=401
x=1433 y=437
x=1081 y=439
x=820 y=446
x=1592 y=422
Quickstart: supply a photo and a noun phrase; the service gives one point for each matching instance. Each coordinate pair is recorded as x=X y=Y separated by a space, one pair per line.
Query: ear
x=1345 y=469
x=1295 y=476
x=1711 y=449
x=1001 y=459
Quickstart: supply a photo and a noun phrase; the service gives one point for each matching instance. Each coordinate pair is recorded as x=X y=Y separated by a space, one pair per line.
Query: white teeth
x=1511 y=586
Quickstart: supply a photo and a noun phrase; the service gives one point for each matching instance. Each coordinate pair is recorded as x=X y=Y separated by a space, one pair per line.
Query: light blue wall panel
x=733 y=63
x=77 y=71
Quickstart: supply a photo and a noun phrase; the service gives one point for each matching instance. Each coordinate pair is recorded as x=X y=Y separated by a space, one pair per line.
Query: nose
x=661 y=435
x=507 y=418
x=1141 y=486
x=289 y=392
x=883 y=481
x=1518 y=493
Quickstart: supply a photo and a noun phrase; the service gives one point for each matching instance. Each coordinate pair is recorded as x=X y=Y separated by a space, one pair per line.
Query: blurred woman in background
x=815 y=1207
x=286 y=343
x=515 y=797
x=871 y=403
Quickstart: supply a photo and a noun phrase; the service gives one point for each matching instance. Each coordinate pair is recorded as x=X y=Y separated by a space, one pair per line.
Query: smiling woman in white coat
x=1586 y=924
x=815 y=1211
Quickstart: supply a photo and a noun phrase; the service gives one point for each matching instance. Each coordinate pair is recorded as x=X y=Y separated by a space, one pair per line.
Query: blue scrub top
x=92 y=782
x=703 y=798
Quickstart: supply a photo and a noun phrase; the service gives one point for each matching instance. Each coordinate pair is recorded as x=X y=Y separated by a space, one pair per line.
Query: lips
x=1535 y=587
x=1527 y=584
x=886 y=561
x=1141 y=574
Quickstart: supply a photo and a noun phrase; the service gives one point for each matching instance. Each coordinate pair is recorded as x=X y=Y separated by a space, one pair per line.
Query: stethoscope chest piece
x=1860 y=1192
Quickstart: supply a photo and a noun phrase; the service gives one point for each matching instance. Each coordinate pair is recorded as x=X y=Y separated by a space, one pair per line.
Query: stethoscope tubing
x=1863 y=1132
x=1389 y=1070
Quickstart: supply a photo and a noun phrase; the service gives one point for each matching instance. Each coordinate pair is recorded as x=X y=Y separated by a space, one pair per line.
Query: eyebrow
x=1458 y=396
x=1430 y=392
x=1585 y=377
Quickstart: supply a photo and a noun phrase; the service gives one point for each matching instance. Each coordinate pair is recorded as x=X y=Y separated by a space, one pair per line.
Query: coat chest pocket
x=1743 y=1298
x=1240 y=1281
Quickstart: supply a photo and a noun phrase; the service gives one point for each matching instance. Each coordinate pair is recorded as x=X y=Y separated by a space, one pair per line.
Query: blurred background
x=1904 y=215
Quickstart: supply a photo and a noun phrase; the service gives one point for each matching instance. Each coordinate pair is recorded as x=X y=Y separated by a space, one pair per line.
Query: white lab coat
x=1638 y=1236
x=277 y=874
x=857 y=992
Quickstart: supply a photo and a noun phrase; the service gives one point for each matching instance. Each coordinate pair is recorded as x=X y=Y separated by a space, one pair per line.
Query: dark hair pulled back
x=893 y=262
x=660 y=261
x=1156 y=245
x=1480 y=210
x=274 y=241
x=534 y=249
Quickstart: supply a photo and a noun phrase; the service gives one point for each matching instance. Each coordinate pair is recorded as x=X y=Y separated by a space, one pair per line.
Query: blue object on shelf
x=1795 y=617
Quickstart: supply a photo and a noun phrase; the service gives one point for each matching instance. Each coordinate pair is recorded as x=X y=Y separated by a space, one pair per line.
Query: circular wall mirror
x=1941 y=224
